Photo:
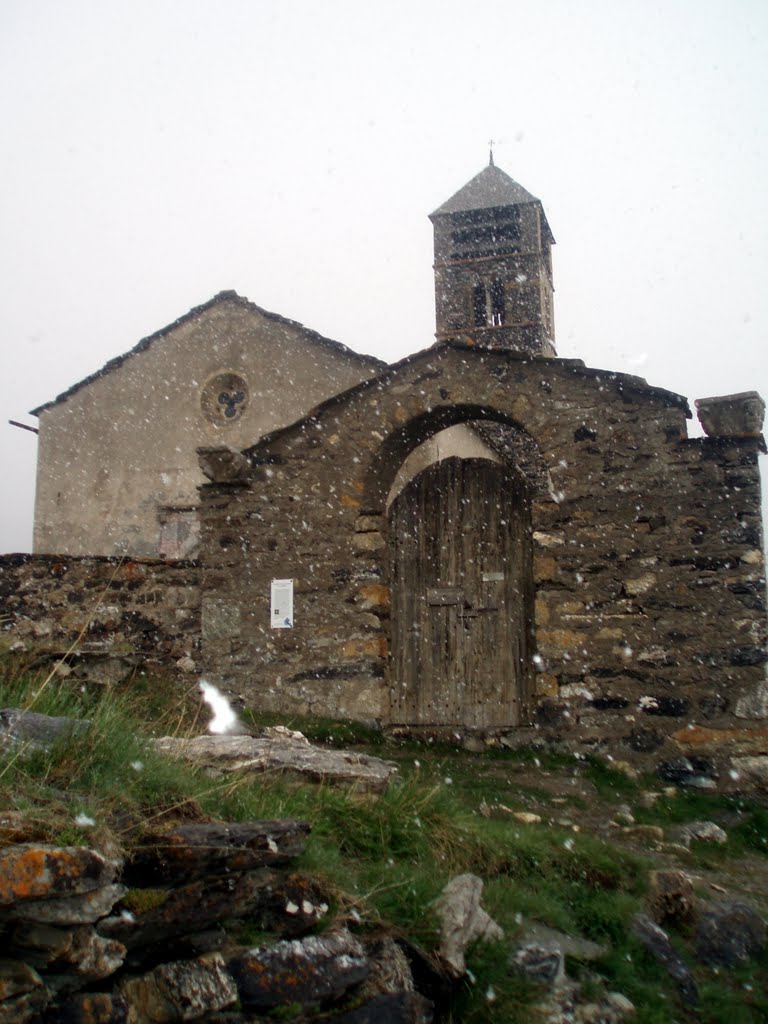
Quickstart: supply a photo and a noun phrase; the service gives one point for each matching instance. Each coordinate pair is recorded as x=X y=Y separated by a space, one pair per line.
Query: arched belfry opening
x=489 y=304
x=461 y=586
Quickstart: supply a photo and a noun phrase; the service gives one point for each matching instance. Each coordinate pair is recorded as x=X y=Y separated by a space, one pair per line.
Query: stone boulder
x=22 y=993
x=79 y=951
x=29 y=871
x=186 y=853
x=536 y=934
x=656 y=941
x=566 y=1002
x=688 y=772
x=462 y=921
x=181 y=990
x=92 y=1008
x=291 y=905
x=700 y=832
x=307 y=972
x=84 y=908
x=671 y=898
x=152 y=916
x=752 y=769
x=697 y=739
x=729 y=933
x=542 y=964
x=391 y=1008
x=283 y=753
x=390 y=971
x=754 y=703
x=35 y=731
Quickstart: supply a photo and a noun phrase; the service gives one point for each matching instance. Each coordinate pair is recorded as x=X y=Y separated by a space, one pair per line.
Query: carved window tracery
x=224 y=398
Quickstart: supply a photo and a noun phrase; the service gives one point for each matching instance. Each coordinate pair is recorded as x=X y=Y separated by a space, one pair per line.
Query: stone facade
x=117 y=472
x=647 y=548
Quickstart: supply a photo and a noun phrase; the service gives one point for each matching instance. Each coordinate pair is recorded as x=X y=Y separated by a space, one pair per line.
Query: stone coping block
x=199 y=850
x=738 y=415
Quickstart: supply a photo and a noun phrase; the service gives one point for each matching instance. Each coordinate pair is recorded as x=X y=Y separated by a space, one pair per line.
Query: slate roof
x=490 y=189
x=224 y=296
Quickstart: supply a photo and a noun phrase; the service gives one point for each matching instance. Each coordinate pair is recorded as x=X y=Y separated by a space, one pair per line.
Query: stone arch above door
x=461 y=441
x=499 y=438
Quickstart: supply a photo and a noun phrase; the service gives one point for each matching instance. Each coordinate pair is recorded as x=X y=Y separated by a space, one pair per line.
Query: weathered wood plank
x=462 y=596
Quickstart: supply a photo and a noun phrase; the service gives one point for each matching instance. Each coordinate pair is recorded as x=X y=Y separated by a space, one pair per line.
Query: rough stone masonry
x=648 y=613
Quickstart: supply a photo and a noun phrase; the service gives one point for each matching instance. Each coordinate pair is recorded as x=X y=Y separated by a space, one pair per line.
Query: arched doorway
x=461 y=596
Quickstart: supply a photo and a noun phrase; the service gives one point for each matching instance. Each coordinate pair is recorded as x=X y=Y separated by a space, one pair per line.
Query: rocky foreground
x=213 y=921
x=154 y=937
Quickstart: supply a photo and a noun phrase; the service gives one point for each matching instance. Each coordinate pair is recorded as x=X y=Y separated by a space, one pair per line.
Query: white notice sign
x=282 y=604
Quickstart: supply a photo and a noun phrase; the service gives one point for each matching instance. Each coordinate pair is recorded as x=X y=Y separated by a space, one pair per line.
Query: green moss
x=72 y=837
x=291 y=1011
x=141 y=901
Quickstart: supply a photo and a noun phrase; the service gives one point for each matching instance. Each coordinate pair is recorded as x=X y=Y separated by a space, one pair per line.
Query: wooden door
x=461 y=596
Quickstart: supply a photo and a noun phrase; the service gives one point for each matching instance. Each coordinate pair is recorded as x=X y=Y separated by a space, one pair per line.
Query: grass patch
x=631 y=970
x=139 y=901
x=744 y=820
x=743 y=999
x=751 y=834
x=330 y=732
x=491 y=992
x=609 y=782
x=685 y=805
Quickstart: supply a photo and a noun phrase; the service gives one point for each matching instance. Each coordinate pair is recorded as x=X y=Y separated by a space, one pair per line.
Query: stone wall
x=649 y=619
x=152 y=935
x=648 y=565
x=116 y=613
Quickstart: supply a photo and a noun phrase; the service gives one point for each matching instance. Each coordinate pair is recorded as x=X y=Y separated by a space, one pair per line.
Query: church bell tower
x=493 y=267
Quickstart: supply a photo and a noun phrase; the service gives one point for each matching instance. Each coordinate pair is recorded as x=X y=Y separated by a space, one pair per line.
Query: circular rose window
x=224 y=398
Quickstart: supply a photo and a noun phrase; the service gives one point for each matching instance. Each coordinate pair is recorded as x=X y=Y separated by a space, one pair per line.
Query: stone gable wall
x=116 y=457
x=648 y=549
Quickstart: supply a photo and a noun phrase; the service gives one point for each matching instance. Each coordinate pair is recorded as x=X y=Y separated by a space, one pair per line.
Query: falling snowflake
x=648 y=703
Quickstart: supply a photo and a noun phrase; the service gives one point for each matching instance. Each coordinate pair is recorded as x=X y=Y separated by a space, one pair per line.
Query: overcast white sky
x=157 y=152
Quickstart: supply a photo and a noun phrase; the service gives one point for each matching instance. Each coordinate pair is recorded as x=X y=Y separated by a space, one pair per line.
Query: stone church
x=481 y=536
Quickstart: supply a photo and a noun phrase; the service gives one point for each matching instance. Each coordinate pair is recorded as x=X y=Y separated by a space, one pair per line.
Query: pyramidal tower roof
x=491 y=187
